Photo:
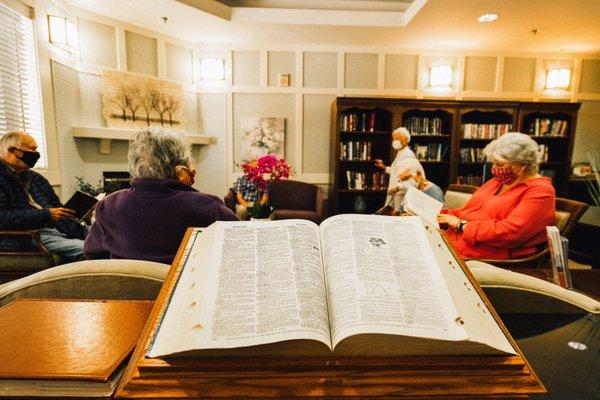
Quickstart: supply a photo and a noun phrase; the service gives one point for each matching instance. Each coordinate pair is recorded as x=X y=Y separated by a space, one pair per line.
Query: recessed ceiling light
x=487 y=17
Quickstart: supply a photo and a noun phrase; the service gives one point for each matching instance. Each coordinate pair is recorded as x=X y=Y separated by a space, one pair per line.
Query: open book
x=82 y=204
x=418 y=203
x=355 y=285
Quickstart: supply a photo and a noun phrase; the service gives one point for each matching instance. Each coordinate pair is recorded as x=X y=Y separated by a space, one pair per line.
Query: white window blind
x=20 y=98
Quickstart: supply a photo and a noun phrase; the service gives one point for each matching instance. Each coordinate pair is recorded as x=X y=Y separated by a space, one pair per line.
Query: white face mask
x=396 y=144
x=404 y=185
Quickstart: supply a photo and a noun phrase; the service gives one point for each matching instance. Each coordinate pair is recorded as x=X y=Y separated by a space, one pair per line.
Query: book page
x=419 y=203
x=260 y=282
x=382 y=277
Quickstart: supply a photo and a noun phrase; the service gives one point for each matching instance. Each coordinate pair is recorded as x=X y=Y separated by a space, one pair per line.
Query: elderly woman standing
x=400 y=141
x=148 y=221
x=507 y=216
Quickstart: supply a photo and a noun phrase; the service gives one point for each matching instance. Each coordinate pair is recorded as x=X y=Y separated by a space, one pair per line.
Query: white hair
x=155 y=152
x=411 y=165
x=8 y=140
x=515 y=148
x=404 y=132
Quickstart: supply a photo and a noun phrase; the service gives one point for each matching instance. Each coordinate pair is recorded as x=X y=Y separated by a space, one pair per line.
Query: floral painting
x=136 y=101
x=262 y=136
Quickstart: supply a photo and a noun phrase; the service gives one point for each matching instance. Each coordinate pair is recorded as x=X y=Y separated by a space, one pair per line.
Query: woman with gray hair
x=148 y=221
x=507 y=216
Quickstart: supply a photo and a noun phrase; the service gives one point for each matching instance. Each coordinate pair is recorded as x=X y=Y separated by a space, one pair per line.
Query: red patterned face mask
x=504 y=174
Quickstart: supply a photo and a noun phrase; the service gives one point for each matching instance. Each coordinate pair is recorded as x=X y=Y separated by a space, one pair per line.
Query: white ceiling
x=566 y=26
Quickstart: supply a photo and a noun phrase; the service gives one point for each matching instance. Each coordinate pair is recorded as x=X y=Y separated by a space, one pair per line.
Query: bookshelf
x=447 y=136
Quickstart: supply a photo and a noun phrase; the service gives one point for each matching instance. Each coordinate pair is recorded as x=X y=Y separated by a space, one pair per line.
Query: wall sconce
x=212 y=69
x=558 y=78
x=440 y=76
x=63 y=32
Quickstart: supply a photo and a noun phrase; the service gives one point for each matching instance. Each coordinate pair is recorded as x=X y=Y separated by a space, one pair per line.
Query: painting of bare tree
x=136 y=101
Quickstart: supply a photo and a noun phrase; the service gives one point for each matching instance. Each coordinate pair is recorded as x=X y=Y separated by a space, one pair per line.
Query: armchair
x=567 y=214
x=17 y=263
x=295 y=199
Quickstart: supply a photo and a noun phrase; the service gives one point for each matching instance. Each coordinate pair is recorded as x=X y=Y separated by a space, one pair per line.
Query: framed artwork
x=262 y=136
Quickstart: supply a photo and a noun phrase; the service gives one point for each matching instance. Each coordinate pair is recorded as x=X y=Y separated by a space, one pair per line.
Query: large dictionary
x=356 y=295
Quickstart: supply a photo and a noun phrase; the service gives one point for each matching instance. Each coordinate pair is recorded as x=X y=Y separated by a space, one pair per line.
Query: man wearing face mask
x=400 y=140
x=28 y=201
x=507 y=216
x=411 y=173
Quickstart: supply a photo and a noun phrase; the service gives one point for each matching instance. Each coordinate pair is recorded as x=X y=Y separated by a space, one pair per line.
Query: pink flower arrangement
x=266 y=169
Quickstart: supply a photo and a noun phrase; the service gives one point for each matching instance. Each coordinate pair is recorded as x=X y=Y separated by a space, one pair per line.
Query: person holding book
x=507 y=216
x=400 y=140
x=412 y=174
x=148 y=221
x=28 y=201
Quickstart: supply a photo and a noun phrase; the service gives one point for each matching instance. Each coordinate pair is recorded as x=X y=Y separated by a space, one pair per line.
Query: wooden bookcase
x=447 y=136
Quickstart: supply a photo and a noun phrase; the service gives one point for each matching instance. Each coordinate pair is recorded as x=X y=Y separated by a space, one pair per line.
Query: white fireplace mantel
x=106 y=135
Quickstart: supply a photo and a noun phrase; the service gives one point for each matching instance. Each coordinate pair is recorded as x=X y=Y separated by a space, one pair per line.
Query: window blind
x=20 y=97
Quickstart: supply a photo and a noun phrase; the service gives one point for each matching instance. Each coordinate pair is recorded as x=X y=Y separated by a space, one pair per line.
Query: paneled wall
x=251 y=88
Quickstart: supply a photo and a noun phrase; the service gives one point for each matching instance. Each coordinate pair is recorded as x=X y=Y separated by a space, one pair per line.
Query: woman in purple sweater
x=148 y=221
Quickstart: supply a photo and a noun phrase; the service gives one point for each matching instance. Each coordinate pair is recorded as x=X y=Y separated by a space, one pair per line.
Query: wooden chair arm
x=532 y=261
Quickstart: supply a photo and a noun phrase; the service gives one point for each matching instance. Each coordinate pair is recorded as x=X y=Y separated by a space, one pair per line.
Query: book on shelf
x=355 y=151
x=471 y=155
x=548 y=127
x=430 y=151
x=484 y=131
x=67 y=348
x=365 y=285
x=356 y=180
x=424 y=125
x=361 y=121
x=473 y=180
x=421 y=204
x=543 y=153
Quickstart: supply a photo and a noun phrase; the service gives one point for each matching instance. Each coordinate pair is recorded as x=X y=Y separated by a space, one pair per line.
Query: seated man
x=246 y=193
x=411 y=173
x=148 y=221
x=27 y=201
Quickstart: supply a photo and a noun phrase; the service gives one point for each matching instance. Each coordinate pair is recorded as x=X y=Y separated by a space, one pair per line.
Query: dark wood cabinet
x=448 y=138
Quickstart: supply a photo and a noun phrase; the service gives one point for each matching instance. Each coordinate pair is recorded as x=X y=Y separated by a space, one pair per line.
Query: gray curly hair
x=516 y=148
x=155 y=152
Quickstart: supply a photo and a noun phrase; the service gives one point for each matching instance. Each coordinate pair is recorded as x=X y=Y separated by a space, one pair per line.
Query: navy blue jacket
x=17 y=214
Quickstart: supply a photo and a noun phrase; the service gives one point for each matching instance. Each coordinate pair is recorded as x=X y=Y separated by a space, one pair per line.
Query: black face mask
x=29 y=158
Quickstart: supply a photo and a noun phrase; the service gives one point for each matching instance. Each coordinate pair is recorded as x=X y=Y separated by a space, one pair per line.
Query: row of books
x=366 y=180
x=484 y=131
x=430 y=152
x=355 y=151
x=548 y=127
x=471 y=154
x=543 y=153
x=424 y=126
x=473 y=180
x=361 y=121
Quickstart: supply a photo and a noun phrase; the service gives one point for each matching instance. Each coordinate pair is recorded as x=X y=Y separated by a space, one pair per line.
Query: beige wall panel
x=480 y=73
x=142 y=56
x=179 y=63
x=246 y=68
x=401 y=71
x=361 y=71
x=519 y=74
x=316 y=137
x=264 y=105
x=97 y=43
x=590 y=76
x=212 y=165
x=282 y=62
x=320 y=70
x=587 y=138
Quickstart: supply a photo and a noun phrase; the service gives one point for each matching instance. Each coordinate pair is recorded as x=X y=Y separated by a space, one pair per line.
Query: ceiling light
x=487 y=17
x=440 y=76
x=212 y=69
x=558 y=78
